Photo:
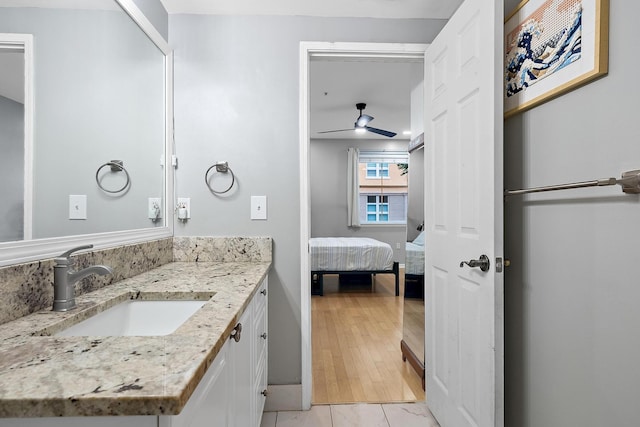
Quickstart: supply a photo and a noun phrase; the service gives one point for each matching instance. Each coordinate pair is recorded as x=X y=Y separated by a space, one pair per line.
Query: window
x=377 y=170
x=383 y=187
x=377 y=208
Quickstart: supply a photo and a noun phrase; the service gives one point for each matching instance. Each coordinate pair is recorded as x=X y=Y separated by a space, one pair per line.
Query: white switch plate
x=154 y=202
x=185 y=202
x=258 y=207
x=77 y=206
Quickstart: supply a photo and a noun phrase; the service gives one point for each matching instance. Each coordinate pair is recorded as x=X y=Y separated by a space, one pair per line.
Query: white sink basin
x=135 y=318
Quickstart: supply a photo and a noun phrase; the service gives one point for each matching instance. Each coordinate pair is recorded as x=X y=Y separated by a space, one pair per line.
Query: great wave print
x=546 y=41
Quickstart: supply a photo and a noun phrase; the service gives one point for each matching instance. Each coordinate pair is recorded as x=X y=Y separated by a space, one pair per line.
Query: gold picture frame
x=552 y=47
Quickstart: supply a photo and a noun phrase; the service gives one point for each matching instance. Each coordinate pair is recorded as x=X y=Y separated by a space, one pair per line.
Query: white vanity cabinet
x=232 y=392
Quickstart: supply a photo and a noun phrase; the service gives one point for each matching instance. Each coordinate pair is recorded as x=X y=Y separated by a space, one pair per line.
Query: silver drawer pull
x=264 y=335
x=263 y=292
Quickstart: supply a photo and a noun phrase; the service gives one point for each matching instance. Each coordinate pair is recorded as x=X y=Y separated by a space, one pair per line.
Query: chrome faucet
x=64 y=295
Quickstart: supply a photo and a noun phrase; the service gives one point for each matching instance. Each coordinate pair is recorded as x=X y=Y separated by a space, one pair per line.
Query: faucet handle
x=64 y=258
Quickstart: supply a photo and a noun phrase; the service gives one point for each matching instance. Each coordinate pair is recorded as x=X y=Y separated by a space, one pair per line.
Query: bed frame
x=317 y=277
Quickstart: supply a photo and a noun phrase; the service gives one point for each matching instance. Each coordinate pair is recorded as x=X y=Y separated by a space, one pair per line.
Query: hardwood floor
x=356 y=354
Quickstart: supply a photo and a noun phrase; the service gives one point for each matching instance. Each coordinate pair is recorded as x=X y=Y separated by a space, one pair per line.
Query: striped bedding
x=349 y=254
x=414 y=261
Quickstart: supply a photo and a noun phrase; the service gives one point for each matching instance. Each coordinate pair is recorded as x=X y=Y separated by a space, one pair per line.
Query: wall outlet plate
x=258 y=207
x=184 y=203
x=154 y=208
x=77 y=206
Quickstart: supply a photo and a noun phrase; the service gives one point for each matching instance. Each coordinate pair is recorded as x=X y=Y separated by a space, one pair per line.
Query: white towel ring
x=222 y=167
x=116 y=166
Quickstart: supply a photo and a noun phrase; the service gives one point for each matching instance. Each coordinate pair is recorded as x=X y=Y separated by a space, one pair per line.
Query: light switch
x=77 y=206
x=258 y=207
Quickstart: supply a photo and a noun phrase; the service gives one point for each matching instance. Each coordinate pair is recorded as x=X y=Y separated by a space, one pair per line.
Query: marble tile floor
x=354 y=415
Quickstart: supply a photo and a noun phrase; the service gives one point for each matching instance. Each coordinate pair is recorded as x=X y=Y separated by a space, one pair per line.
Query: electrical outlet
x=398 y=245
x=154 y=208
x=184 y=203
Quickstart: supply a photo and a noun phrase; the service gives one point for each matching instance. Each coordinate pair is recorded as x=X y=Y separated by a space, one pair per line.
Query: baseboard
x=284 y=398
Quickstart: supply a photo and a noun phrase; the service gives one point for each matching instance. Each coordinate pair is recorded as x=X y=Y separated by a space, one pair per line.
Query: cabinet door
x=241 y=353
x=260 y=352
x=210 y=403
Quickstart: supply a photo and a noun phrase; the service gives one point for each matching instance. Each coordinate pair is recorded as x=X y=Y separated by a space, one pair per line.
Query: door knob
x=483 y=263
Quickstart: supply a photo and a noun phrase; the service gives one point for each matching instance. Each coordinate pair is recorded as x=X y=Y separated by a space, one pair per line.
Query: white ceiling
x=437 y=9
x=335 y=88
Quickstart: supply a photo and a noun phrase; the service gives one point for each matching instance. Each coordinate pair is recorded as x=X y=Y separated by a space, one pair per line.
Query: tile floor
x=360 y=414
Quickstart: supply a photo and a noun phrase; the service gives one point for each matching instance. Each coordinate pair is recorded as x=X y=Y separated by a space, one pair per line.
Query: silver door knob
x=483 y=263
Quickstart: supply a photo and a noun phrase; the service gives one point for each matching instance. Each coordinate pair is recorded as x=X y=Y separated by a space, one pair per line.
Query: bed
x=349 y=255
x=414 y=268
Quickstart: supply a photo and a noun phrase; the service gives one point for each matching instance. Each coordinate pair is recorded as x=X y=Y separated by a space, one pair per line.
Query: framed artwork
x=552 y=47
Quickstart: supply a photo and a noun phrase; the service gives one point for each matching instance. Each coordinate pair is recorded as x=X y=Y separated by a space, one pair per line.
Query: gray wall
x=571 y=293
x=236 y=99
x=12 y=170
x=328 y=166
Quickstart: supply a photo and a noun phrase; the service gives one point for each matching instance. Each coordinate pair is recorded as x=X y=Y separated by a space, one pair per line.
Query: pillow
x=420 y=239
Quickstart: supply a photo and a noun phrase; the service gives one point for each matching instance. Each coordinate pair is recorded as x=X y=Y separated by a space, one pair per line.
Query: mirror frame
x=32 y=250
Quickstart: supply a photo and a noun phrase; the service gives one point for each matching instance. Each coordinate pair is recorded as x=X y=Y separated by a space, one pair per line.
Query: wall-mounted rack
x=630 y=183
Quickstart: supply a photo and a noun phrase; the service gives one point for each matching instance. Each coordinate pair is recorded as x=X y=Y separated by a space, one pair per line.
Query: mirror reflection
x=413 y=315
x=12 y=137
x=99 y=96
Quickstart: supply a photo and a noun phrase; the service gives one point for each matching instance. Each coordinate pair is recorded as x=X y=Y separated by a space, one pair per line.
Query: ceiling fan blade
x=338 y=130
x=363 y=120
x=381 y=131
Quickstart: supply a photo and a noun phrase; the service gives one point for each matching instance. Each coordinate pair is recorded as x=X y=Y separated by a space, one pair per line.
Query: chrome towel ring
x=222 y=167
x=116 y=166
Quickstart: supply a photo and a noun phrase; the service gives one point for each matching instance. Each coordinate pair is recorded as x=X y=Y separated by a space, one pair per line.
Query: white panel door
x=463 y=218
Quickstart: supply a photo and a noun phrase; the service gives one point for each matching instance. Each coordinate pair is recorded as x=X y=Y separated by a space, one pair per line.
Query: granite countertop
x=42 y=376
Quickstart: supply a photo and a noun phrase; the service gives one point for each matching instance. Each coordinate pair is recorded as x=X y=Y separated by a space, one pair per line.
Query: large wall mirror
x=83 y=84
x=412 y=344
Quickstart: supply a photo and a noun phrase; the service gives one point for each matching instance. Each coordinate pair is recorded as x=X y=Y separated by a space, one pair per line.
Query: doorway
x=335 y=50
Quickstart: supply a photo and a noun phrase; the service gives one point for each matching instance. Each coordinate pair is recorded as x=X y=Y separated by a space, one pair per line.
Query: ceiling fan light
x=360 y=130
x=361 y=122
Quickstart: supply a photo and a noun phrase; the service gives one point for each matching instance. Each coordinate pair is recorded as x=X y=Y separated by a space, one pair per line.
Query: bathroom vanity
x=210 y=371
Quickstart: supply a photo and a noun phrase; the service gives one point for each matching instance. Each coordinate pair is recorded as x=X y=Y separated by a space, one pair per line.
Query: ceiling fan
x=362 y=122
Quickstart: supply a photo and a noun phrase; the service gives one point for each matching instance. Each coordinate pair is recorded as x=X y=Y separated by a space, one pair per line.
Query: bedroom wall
x=571 y=293
x=237 y=99
x=328 y=167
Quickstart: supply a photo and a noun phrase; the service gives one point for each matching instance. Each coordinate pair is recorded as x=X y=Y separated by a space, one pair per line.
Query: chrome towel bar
x=630 y=183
